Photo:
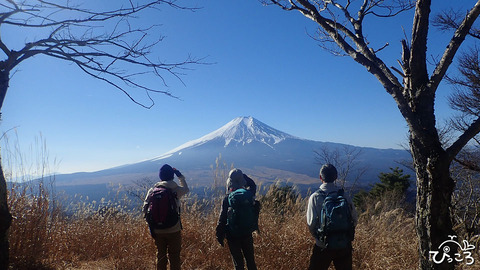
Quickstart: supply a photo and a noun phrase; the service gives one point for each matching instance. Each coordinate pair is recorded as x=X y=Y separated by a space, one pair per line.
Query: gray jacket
x=315 y=206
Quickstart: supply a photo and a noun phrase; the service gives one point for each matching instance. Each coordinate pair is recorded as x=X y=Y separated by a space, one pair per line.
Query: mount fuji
x=261 y=151
x=238 y=132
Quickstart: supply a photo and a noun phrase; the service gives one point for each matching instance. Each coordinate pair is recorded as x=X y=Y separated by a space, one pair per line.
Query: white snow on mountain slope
x=241 y=130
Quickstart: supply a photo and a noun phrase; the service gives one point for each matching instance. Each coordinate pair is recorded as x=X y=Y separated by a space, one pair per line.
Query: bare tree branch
x=345 y=159
x=119 y=56
x=452 y=48
x=348 y=35
x=469 y=164
x=469 y=133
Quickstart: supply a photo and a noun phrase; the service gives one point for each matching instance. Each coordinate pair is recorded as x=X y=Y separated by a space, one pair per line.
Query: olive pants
x=171 y=244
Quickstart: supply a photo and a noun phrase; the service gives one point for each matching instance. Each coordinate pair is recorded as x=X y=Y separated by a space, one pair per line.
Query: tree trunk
x=433 y=220
x=5 y=221
x=434 y=191
x=5 y=216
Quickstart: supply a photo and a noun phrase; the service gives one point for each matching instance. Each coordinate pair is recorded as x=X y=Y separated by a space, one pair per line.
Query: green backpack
x=241 y=217
x=336 y=229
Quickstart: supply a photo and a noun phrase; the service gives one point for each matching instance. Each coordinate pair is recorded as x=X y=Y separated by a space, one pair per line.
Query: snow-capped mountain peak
x=241 y=130
x=248 y=129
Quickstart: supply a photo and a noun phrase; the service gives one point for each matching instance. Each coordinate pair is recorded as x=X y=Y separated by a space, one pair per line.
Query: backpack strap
x=325 y=194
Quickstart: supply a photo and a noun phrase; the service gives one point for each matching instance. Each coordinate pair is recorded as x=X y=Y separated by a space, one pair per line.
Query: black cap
x=166 y=173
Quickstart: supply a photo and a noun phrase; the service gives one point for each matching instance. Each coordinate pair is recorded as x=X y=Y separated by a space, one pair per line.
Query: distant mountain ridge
x=260 y=150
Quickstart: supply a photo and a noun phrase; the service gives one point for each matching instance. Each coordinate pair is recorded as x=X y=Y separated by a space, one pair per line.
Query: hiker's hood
x=328 y=187
x=167 y=184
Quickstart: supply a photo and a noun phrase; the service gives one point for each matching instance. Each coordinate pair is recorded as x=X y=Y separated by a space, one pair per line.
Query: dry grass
x=386 y=241
x=42 y=238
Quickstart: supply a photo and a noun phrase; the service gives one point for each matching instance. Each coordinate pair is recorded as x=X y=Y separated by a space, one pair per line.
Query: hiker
x=329 y=205
x=238 y=219
x=164 y=224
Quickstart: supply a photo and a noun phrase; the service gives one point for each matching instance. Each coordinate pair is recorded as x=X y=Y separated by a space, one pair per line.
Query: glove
x=220 y=234
x=220 y=240
x=177 y=172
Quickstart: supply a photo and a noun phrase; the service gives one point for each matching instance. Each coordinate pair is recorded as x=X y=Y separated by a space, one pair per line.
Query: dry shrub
x=385 y=240
x=33 y=226
x=123 y=241
x=200 y=249
x=115 y=238
x=284 y=242
x=41 y=237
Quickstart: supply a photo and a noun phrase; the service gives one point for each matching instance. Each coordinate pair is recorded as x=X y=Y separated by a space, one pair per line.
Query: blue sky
x=264 y=64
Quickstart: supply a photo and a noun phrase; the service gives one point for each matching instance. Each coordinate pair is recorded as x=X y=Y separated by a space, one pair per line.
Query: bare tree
x=466 y=100
x=345 y=159
x=138 y=189
x=340 y=23
x=466 y=96
x=105 y=44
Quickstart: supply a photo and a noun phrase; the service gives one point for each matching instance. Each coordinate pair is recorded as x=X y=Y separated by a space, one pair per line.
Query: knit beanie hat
x=235 y=180
x=328 y=173
x=166 y=173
